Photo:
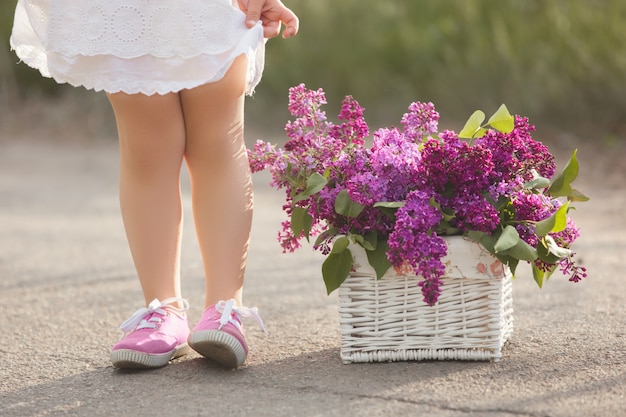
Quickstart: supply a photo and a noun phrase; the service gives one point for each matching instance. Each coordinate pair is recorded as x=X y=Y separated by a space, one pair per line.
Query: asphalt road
x=67 y=282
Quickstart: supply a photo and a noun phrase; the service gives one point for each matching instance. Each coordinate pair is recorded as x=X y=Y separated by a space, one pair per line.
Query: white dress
x=136 y=46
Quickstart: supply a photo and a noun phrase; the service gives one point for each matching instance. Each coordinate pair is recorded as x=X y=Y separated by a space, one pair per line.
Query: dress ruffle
x=136 y=46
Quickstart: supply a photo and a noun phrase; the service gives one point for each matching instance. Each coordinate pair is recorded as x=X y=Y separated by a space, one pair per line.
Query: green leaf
x=555 y=223
x=378 y=258
x=314 y=184
x=522 y=251
x=446 y=214
x=473 y=125
x=561 y=186
x=504 y=202
x=502 y=120
x=511 y=256
x=537 y=183
x=489 y=241
x=326 y=234
x=336 y=268
x=345 y=206
x=549 y=272
x=576 y=195
x=508 y=239
x=512 y=264
x=484 y=239
x=542 y=276
x=389 y=204
x=294 y=180
x=389 y=212
x=301 y=221
x=509 y=261
x=360 y=239
x=475 y=235
x=538 y=275
x=340 y=245
x=372 y=239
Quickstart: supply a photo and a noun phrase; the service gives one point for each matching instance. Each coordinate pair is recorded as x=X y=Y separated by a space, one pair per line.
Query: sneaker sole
x=126 y=358
x=219 y=347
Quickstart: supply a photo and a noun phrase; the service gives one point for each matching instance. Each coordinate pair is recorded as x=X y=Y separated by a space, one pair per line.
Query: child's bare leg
x=220 y=180
x=152 y=142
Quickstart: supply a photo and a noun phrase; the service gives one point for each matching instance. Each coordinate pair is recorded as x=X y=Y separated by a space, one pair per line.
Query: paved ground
x=66 y=282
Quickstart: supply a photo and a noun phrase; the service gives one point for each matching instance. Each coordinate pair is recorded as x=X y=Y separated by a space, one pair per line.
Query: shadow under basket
x=387 y=320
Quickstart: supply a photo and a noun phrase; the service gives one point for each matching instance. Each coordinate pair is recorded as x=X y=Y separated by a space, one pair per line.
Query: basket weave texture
x=386 y=320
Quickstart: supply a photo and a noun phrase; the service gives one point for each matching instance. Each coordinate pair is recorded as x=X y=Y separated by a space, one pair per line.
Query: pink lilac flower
x=262 y=155
x=303 y=102
x=354 y=130
x=287 y=240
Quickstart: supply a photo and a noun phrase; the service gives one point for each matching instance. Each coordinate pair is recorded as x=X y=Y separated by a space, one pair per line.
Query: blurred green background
x=560 y=62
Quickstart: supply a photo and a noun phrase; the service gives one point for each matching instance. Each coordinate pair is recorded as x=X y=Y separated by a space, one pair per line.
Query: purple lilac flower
x=366 y=188
x=564 y=239
x=517 y=153
x=421 y=120
x=532 y=206
x=413 y=241
x=569 y=267
x=529 y=208
x=481 y=184
x=502 y=188
x=395 y=160
x=322 y=208
x=431 y=290
x=473 y=212
x=460 y=174
x=452 y=164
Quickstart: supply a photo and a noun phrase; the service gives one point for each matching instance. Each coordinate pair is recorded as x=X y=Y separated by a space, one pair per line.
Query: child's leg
x=152 y=142
x=220 y=179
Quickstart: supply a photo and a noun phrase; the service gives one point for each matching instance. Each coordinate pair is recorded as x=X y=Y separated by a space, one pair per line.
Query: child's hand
x=272 y=13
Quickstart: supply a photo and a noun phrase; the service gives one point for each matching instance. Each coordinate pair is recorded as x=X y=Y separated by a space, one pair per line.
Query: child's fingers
x=272 y=17
x=253 y=12
x=291 y=22
x=271 y=29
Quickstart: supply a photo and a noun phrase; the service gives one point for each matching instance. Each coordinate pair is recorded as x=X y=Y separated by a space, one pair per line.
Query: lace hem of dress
x=143 y=75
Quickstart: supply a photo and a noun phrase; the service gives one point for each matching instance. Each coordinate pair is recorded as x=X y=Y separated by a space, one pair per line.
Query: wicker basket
x=386 y=320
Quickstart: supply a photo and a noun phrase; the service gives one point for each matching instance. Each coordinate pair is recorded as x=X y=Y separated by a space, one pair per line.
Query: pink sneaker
x=153 y=336
x=219 y=334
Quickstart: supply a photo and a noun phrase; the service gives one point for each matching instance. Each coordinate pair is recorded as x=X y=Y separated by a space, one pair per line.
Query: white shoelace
x=228 y=308
x=138 y=319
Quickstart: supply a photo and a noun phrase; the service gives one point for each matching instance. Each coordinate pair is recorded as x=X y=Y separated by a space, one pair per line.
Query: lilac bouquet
x=491 y=182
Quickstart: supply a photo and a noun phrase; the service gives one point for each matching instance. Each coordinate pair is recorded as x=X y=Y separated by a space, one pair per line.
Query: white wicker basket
x=387 y=320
